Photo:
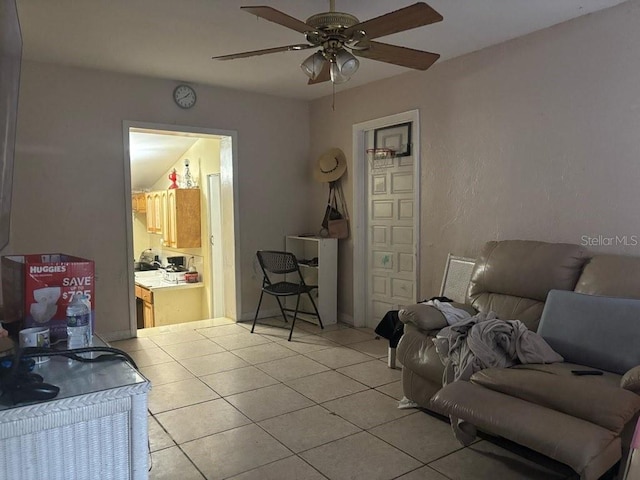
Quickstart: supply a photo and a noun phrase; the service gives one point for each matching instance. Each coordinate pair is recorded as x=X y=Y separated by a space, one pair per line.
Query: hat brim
x=335 y=173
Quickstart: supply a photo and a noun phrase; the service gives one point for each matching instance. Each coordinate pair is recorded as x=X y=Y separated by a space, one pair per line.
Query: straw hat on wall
x=330 y=166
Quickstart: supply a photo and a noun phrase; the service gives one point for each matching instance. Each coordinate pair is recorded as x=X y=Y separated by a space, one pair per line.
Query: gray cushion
x=600 y=332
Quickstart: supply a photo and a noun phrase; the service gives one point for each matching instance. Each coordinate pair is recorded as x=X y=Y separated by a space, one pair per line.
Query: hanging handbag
x=339 y=227
x=331 y=212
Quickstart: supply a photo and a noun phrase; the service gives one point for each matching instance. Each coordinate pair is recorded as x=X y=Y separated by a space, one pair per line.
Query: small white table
x=96 y=428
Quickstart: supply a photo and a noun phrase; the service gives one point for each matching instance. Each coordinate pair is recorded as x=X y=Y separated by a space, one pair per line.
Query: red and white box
x=37 y=289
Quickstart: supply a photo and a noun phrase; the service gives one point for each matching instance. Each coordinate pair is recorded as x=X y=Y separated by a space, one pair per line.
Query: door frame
x=229 y=191
x=359 y=217
x=216 y=268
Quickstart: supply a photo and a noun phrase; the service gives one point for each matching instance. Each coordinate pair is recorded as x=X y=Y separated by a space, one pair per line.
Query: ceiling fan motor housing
x=331 y=22
x=328 y=30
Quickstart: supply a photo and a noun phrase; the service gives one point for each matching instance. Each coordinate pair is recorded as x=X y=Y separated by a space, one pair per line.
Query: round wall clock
x=184 y=96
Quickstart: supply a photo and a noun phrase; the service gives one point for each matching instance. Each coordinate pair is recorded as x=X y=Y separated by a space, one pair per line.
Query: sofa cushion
x=611 y=276
x=606 y=405
x=564 y=369
x=513 y=277
x=601 y=332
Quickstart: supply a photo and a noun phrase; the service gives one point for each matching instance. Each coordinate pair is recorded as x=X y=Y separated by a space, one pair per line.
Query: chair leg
x=257 y=310
x=295 y=315
x=284 y=315
x=391 y=358
x=316 y=309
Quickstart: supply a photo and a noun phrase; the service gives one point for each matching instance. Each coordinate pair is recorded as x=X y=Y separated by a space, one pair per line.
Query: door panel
x=391 y=266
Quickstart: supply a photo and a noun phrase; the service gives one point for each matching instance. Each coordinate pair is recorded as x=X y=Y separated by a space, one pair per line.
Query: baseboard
x=348 y=319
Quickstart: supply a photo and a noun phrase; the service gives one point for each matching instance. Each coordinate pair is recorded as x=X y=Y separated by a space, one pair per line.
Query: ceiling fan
x=341 y=37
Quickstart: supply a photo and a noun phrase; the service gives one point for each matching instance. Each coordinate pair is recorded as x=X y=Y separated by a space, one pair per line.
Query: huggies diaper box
x=36 y=290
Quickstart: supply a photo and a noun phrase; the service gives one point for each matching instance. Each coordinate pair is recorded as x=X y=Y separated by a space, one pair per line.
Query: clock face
x=184 y=96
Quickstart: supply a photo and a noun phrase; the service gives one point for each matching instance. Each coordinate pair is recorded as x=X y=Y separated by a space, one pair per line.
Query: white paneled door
x=391 y=275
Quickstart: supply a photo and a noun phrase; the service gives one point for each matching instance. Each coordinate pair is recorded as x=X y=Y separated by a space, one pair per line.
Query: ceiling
x=175 y=39
x=152 y=153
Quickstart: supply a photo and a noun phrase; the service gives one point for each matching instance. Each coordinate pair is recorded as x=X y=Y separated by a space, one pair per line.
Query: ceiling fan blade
x=413 y=16
x=288 y=48
x=403 y=56
x=324 y=75
x=276 y=16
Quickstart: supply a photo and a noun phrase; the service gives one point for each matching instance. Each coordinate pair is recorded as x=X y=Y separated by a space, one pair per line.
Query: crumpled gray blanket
x=484 y=341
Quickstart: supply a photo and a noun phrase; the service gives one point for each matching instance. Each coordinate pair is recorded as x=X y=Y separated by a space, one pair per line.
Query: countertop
x=152 y=280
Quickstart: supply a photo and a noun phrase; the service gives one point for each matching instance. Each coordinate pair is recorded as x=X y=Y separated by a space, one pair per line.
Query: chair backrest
x=455 y=280
x=277 y=262
x=513 y=277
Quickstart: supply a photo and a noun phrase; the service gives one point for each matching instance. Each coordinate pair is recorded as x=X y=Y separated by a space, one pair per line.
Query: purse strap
x=345 y=212
x=333 y=200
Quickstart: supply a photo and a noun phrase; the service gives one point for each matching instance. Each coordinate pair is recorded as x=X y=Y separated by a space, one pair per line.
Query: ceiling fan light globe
x=312 y=66
x=347 y=63
x=336 y=77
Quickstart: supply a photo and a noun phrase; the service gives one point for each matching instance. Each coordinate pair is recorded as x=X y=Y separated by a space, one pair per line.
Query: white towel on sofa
x=483 y=341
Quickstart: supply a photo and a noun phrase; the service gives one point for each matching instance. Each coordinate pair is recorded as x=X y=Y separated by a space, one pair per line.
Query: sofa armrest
x=428 y=318
x=424 y=317
x=631 y=380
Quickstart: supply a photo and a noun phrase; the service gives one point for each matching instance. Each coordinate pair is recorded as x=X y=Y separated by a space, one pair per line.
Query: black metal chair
x=274 y=264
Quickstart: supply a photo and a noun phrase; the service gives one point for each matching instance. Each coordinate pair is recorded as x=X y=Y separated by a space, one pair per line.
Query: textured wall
x=69 y=182
x=536 y=138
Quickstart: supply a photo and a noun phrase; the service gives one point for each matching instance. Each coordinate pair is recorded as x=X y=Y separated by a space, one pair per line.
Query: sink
x=144 y=266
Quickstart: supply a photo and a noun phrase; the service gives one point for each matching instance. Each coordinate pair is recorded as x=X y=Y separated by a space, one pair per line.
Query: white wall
x=536 y=138
x=69 y=182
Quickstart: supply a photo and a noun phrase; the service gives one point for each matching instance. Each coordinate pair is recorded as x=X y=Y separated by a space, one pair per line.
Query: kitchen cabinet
x=155 y=204
x=182 y=228
x=165 y=303
x=146 y=296
x=139 y=202
x=175 y=213
x=179 y=304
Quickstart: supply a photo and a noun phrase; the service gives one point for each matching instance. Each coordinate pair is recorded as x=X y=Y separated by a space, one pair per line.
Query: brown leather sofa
x=525 y=404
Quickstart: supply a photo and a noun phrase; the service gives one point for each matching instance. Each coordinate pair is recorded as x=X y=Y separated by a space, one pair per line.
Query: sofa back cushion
x=513 y=277
x=611 y=276
x=599 y=332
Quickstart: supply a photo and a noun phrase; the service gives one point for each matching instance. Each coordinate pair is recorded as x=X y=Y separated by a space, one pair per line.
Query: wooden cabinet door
x=139 y=202
x=158 y=212
x=148 y=315
x=171 y=234
x=183 y=218
x=150 y=213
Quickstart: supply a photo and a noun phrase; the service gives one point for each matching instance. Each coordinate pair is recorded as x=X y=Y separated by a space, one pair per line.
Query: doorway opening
x=181 y=195
x=386 y=220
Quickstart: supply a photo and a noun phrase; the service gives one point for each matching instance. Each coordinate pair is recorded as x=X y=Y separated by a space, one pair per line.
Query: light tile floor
x=228 y=404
